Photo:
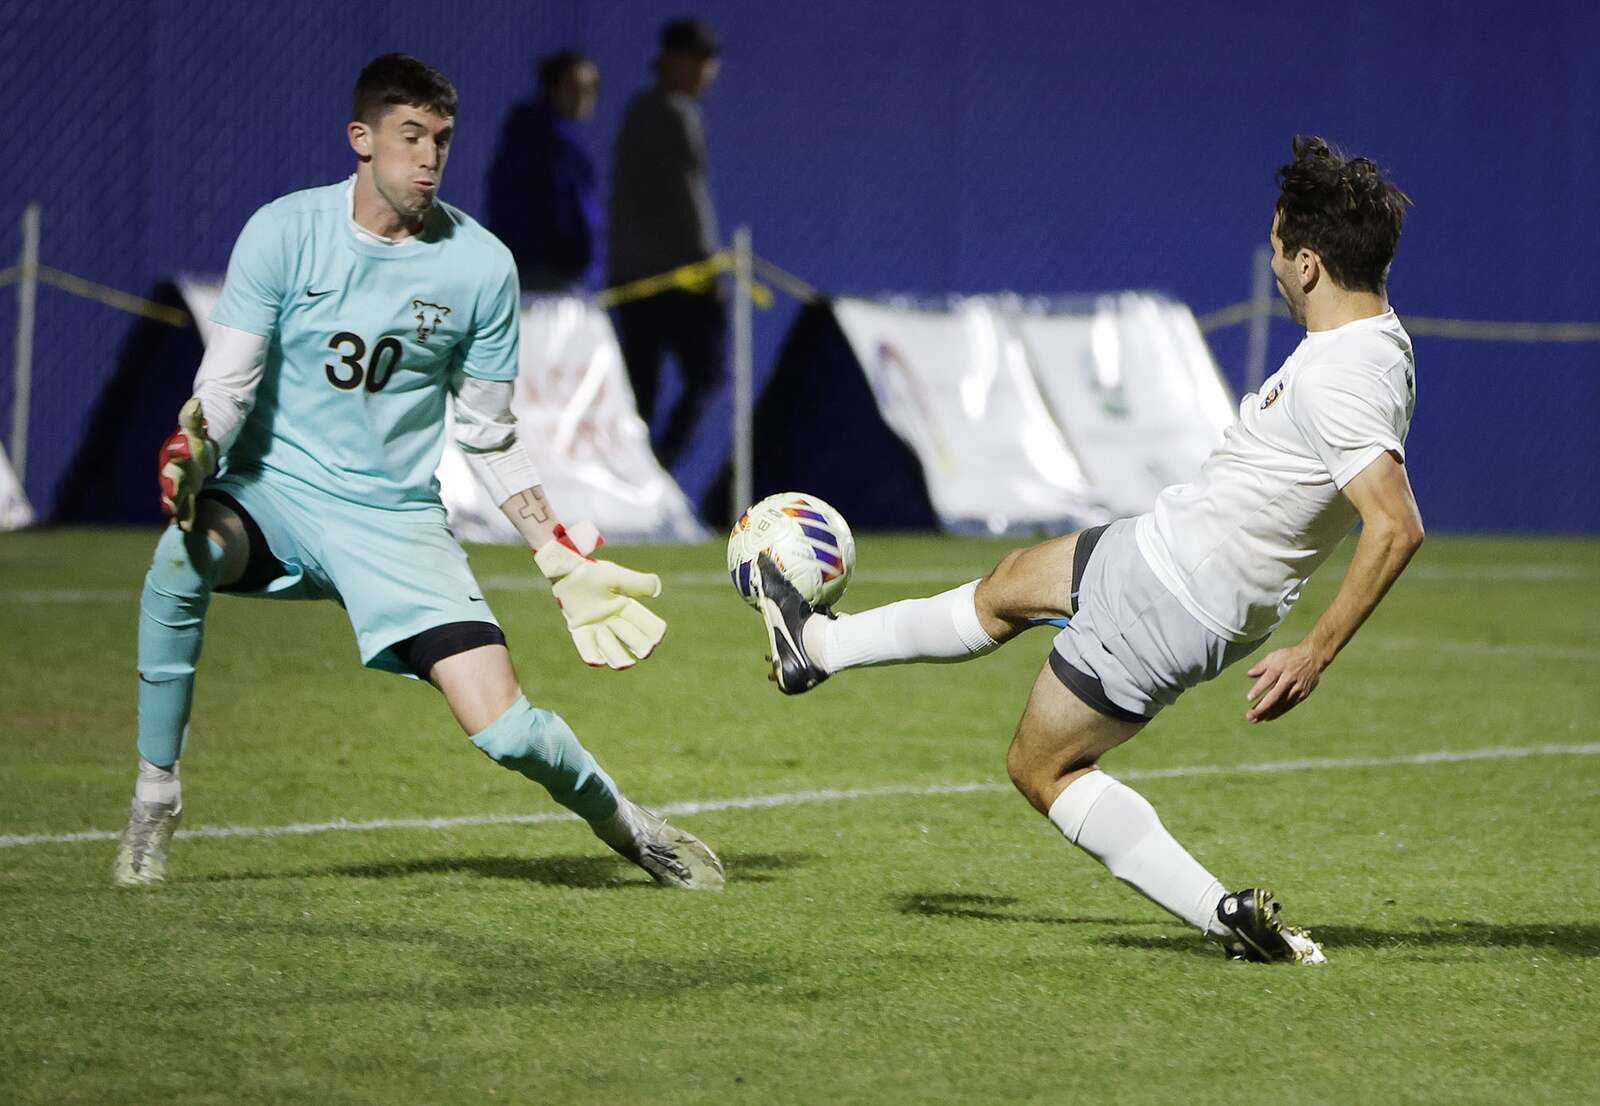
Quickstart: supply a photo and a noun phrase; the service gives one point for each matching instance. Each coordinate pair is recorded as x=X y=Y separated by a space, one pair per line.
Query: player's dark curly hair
x=1343 y=209
x=396 y=79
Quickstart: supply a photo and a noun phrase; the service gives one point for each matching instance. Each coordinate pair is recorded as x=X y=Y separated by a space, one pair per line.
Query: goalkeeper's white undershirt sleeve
x=227 y=380
x=486 y=431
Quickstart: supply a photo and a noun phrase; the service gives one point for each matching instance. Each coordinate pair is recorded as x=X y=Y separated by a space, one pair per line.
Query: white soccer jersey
x=1237 y=543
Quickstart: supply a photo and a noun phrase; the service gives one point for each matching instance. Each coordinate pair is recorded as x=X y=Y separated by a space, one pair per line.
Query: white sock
x=1116 y=825
x=942 y=627
x=157 y=785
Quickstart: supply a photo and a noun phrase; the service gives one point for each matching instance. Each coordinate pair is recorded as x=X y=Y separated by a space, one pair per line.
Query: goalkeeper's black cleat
x=1257 y=934
x=785 y=612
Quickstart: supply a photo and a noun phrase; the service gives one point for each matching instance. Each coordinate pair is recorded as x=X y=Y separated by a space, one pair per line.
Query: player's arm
x=598 y=599
x=1391 y=531
x=230 y=372
x=209 y=421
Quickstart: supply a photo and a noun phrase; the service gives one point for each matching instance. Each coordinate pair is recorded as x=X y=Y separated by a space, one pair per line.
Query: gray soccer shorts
x=1130 y=648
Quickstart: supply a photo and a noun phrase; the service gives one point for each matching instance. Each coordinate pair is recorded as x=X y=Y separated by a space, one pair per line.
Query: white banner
x=15 y=510
x=1030 y=417
x=576 y=416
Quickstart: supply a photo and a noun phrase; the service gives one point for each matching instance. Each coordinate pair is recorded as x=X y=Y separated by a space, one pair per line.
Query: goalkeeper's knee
x=541 y=746
x=172 y=610
x=177 y=591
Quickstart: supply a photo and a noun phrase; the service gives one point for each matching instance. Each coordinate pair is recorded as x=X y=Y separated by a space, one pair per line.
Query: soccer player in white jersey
x=1164 y=601
x=348 y=313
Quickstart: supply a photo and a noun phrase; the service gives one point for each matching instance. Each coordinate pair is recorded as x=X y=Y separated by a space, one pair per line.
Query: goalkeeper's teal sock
x=540 y=745
x=172 y=611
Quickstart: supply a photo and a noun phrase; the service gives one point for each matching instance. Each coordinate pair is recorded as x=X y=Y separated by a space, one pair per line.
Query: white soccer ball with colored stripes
x=809 y=540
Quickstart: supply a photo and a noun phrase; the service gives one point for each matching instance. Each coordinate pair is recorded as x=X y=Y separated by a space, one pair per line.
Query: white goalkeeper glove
x=600 y=602
x=188 y=457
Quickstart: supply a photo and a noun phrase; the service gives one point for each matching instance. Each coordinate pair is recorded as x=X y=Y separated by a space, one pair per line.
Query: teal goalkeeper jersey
x=362 y=341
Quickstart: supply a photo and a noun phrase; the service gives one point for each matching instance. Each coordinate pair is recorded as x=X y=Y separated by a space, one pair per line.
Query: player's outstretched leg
x=172 y=609
x=540 y=745
x=806 y=646
x=1054 y=760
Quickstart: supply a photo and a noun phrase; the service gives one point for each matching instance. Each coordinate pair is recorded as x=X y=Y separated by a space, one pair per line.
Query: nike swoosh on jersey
x=326 y=292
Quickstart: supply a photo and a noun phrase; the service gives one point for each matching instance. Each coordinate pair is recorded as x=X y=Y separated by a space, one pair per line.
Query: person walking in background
x=661 y=217
x=543 y=200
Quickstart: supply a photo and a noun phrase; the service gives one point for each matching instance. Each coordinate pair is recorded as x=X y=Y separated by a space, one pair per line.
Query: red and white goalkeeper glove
x=600 y=602
x=188 y=457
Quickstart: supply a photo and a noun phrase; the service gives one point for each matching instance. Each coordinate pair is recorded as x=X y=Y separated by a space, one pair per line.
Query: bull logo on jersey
x=429 y=316
x=1272 y=397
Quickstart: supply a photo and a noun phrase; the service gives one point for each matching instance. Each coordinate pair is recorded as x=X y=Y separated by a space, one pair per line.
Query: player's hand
x=600 y=602
x=187 y=458
x=1284 y=678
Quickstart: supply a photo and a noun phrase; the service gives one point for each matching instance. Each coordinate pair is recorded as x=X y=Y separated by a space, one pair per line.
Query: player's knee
x=1040 y=758
x=185 y=565
x=996 y=597
x=172 y=608
x=1029 y=772
x=539 y=745
x=526 y=737
x=1006 y=570
x=1017 y=765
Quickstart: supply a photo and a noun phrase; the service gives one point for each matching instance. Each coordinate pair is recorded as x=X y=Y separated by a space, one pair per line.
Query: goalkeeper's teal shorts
x=396 y=573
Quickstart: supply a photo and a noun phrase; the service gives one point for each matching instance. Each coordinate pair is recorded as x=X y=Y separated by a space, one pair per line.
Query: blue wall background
x=902 y=145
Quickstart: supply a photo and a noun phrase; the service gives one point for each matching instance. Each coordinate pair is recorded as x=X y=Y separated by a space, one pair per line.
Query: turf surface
x=891 y=948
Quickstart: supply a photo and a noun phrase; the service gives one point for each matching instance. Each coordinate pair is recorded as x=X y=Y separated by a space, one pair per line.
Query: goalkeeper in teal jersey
x=303 y=468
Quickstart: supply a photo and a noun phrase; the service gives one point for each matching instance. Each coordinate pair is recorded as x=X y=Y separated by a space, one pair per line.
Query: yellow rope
x=1502 y=331
x=1236 y=313
x=697 y=276
x=1423 y=326
x=790 y=283
x=122 y=301
x=694 y=277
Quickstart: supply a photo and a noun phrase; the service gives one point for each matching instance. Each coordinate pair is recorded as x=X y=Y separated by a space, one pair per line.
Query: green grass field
x=891 y=947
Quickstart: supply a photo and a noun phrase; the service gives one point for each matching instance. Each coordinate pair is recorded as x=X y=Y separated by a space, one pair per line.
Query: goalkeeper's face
x=409 y=147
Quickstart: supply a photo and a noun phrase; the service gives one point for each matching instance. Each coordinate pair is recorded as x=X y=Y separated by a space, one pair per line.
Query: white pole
x=743 y=374
x=22 y=380
x=1255 y=361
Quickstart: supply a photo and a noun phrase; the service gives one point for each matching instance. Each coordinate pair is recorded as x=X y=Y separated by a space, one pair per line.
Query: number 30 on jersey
x=350 y=373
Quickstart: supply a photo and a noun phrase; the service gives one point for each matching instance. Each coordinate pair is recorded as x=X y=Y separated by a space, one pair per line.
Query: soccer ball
x=808 y=539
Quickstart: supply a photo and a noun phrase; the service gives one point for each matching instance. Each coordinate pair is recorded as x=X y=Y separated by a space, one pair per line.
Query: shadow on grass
x=583 y=872
x=1578 y=939
x=991 y=908
x=417 y=959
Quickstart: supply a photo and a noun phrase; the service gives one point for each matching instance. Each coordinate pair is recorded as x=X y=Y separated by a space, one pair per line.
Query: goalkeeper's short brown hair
x=393 y=80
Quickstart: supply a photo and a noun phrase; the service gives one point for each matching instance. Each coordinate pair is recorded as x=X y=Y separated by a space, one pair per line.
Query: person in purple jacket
x=543 y=200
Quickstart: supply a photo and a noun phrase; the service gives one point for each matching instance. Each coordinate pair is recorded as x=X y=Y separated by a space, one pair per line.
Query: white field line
x=1526 y=573
x=834 y=795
